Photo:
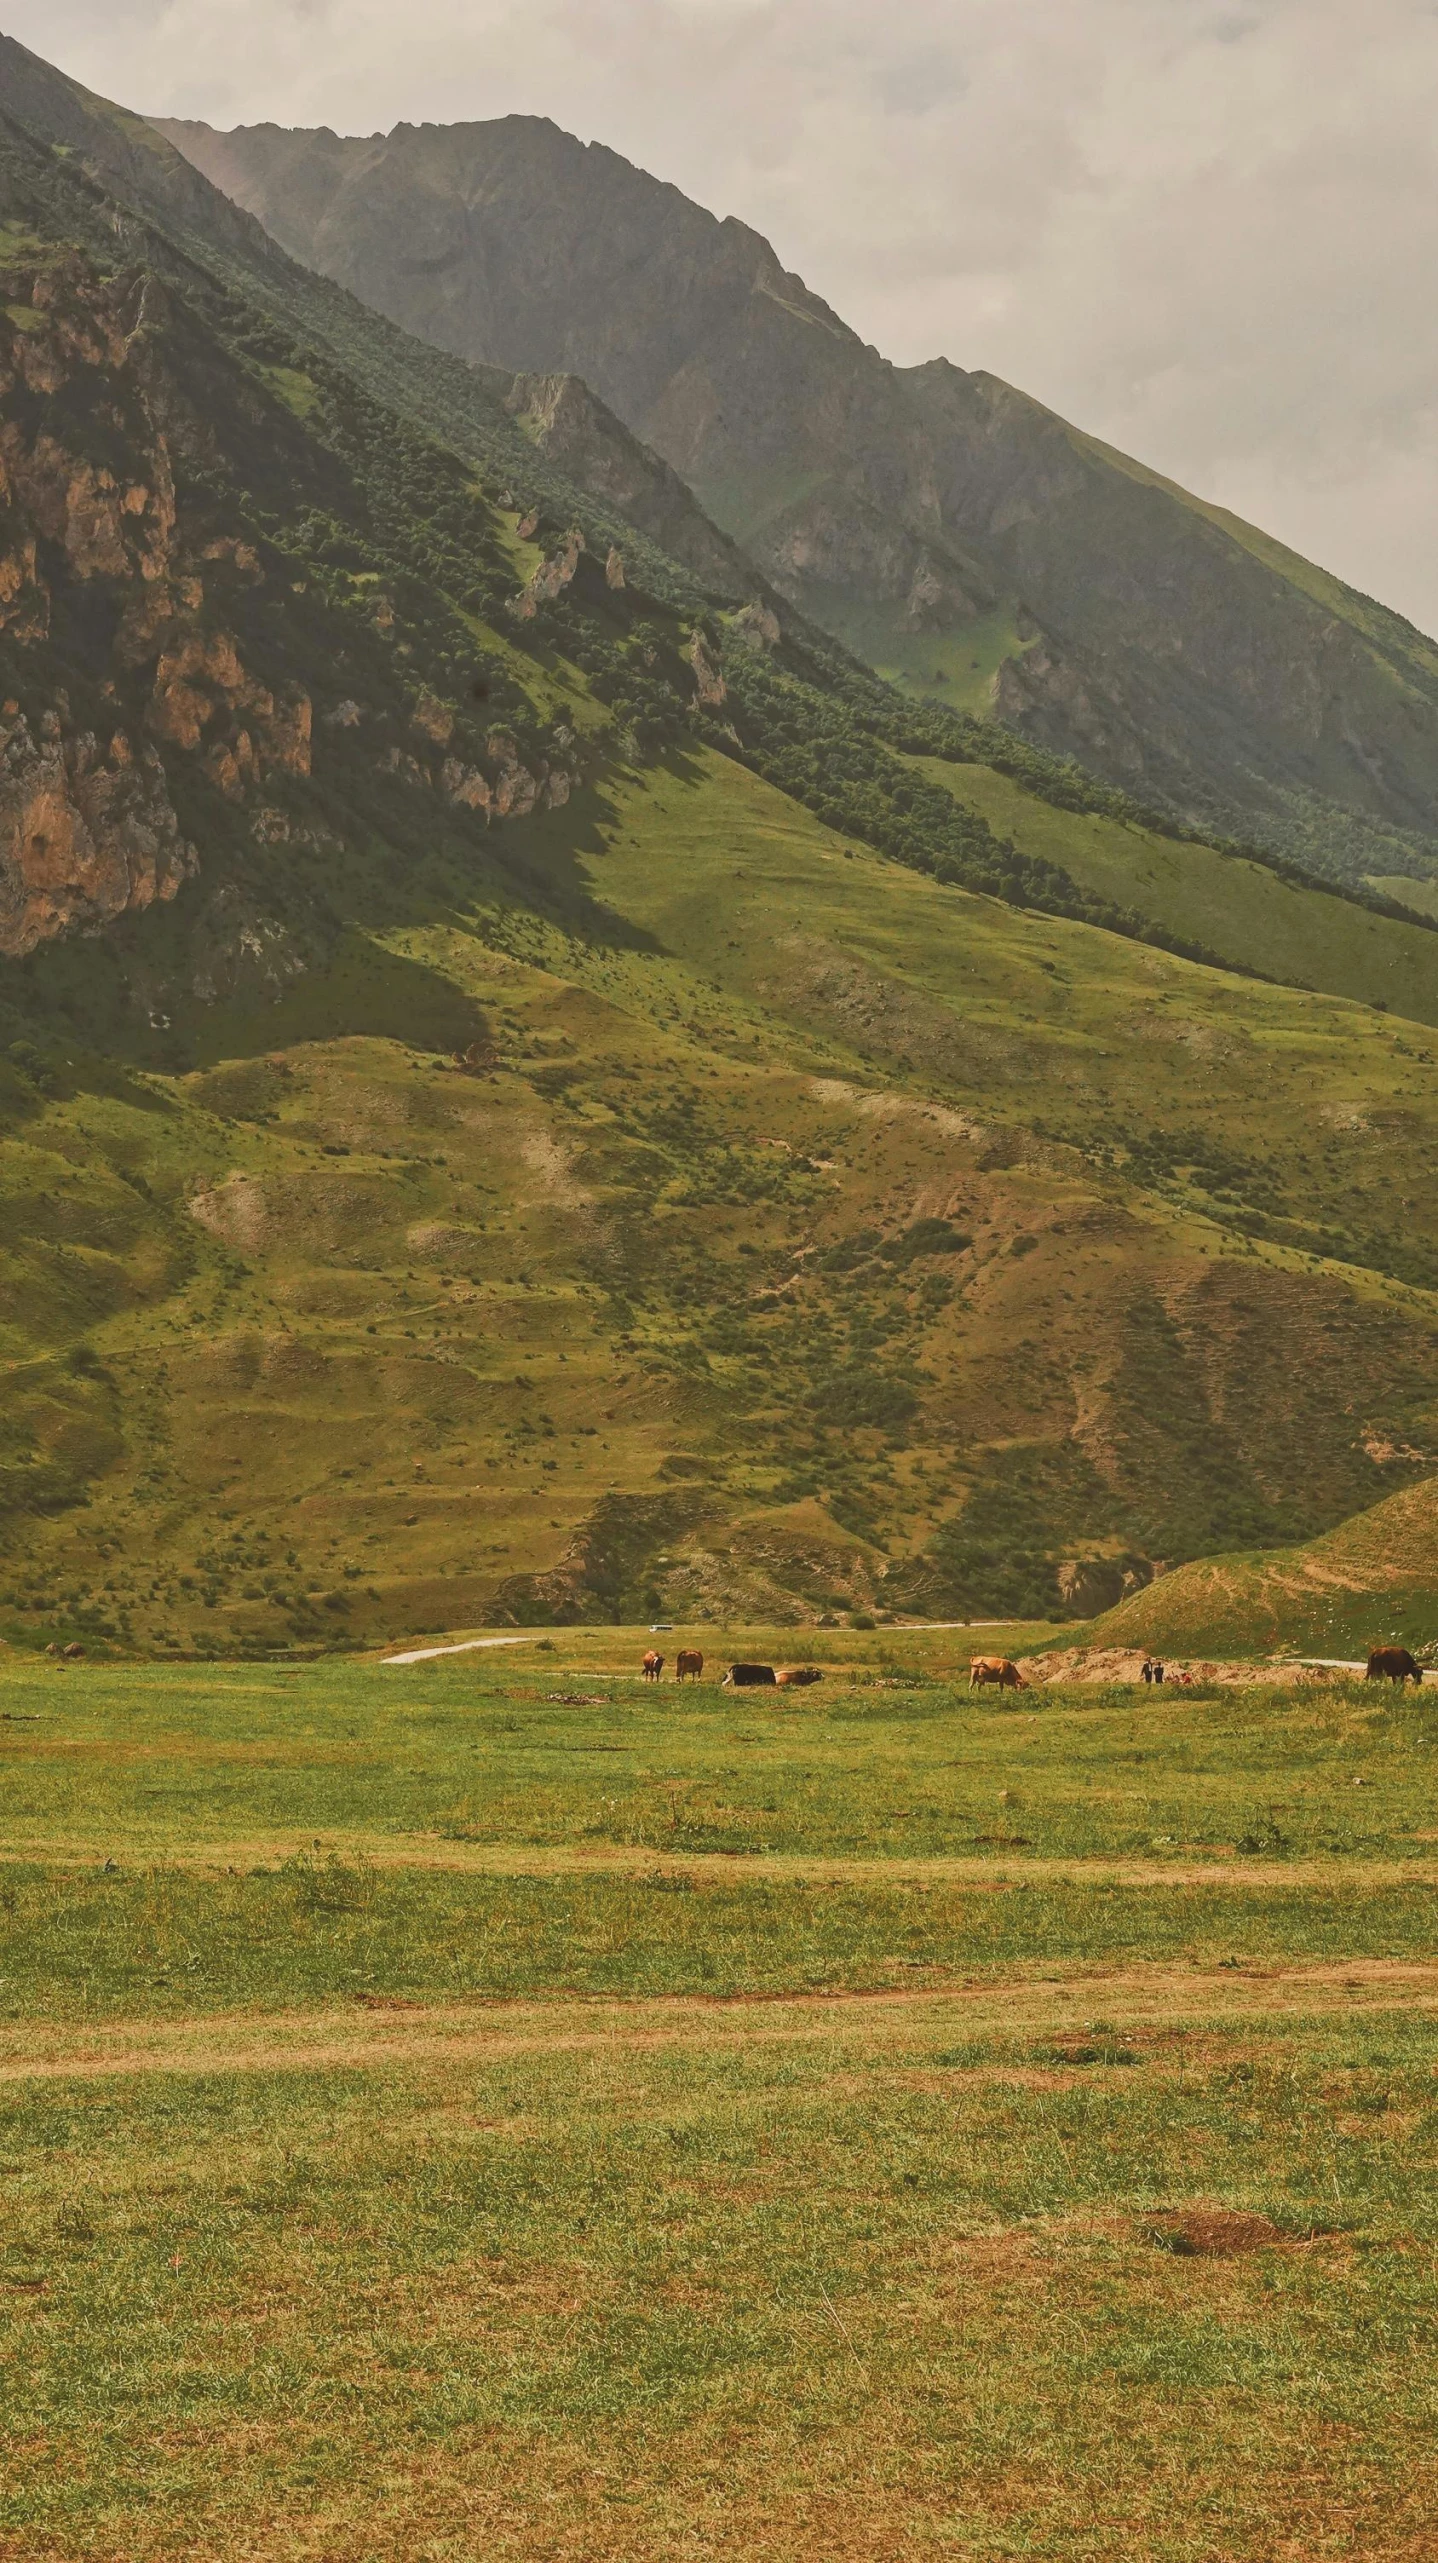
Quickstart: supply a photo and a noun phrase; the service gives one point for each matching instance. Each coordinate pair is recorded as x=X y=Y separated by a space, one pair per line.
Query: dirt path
x=713 y=1868
x=467 y=1646
x=1128 y=1998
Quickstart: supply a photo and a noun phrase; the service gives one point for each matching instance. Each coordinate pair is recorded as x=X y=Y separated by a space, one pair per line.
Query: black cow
x=1393 y=1664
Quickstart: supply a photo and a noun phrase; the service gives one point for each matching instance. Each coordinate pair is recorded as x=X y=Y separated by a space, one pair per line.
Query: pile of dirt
x=1125 y=1664
x=1213 y=2233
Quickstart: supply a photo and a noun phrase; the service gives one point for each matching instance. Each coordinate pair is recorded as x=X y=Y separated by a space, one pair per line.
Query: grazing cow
x=996 y=1669
x=688 y=1664
x=750 y=1677
x=797 y=1677
x=1393 y=1664
x=653 y=1666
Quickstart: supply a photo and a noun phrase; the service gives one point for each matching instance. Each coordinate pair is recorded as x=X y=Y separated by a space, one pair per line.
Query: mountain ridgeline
x=955 y=532
x=535 y=1084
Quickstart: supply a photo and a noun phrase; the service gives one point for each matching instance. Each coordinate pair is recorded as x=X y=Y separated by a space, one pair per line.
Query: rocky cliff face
x=93 y=553
x=1178 y=650
x=147 y=648
x=87 y=830
x=87 y=825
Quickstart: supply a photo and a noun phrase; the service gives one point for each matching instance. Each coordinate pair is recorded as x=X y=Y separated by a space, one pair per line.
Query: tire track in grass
x=377 y=2040
x=732 y=1868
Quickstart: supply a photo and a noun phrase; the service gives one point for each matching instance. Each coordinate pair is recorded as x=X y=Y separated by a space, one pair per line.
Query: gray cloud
x=1205 y=231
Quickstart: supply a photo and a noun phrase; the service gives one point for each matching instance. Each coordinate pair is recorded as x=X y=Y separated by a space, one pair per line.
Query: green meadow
x=495 y=2104
x=558 y=1745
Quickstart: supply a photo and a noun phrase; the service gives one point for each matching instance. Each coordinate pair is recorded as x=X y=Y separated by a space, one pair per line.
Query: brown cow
x=1393 y=1664
x=688 y=1664
x=750 y=1677
x=986 y=1669
x=653 y=1666
x=797 y=1677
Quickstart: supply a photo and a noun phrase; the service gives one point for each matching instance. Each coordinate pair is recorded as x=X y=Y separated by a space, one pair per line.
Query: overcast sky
x=1205 y=229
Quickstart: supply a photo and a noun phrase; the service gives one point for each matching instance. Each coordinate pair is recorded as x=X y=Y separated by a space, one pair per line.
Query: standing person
x=1158 y=1673
x=1147 y=1670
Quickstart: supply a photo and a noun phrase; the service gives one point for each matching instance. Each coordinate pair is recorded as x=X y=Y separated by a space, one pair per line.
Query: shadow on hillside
x=545 y=862
x=244 y=962
x=80 y=1004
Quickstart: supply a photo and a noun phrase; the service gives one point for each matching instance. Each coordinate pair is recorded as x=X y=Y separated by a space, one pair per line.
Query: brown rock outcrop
x=24 y=600
x=709 y=688
x=551 y=578
x=203 y=695
x=89 y=830
x=465 y=786
x=85 y=832
x=757 y=627
x=433 y=720
x=516 y=791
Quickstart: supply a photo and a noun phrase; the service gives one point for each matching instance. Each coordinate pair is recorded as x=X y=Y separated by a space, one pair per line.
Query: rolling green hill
x=523 y=1094
x=1371 y=1582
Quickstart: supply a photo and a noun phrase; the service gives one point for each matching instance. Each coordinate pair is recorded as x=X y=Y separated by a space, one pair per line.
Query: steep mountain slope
x=520 y=1094
x=506 y=422
x=943 y=523
x=572 y=463
x=1371 y=1582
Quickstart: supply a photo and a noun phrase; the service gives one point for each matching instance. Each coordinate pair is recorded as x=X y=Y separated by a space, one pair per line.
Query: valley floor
x=489 y=2104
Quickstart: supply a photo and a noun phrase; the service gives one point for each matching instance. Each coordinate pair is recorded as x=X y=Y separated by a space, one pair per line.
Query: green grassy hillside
x=954 y=664
x=1254 y=917
x=808 y=1236
x=1371 y=1582
x=1422 y=896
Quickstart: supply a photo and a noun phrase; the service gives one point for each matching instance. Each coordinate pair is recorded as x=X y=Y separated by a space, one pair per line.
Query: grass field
x=441 y=2116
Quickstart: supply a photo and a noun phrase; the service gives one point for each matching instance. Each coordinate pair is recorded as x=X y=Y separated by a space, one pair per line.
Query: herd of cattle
x=689 y=1665
x=1385 y=1664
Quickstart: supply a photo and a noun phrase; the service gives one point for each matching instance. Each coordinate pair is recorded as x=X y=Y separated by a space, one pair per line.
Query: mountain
x=533 y=1085
x=956 y=533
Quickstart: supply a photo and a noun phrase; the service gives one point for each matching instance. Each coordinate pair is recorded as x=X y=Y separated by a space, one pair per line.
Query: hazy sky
x=1205 y=229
